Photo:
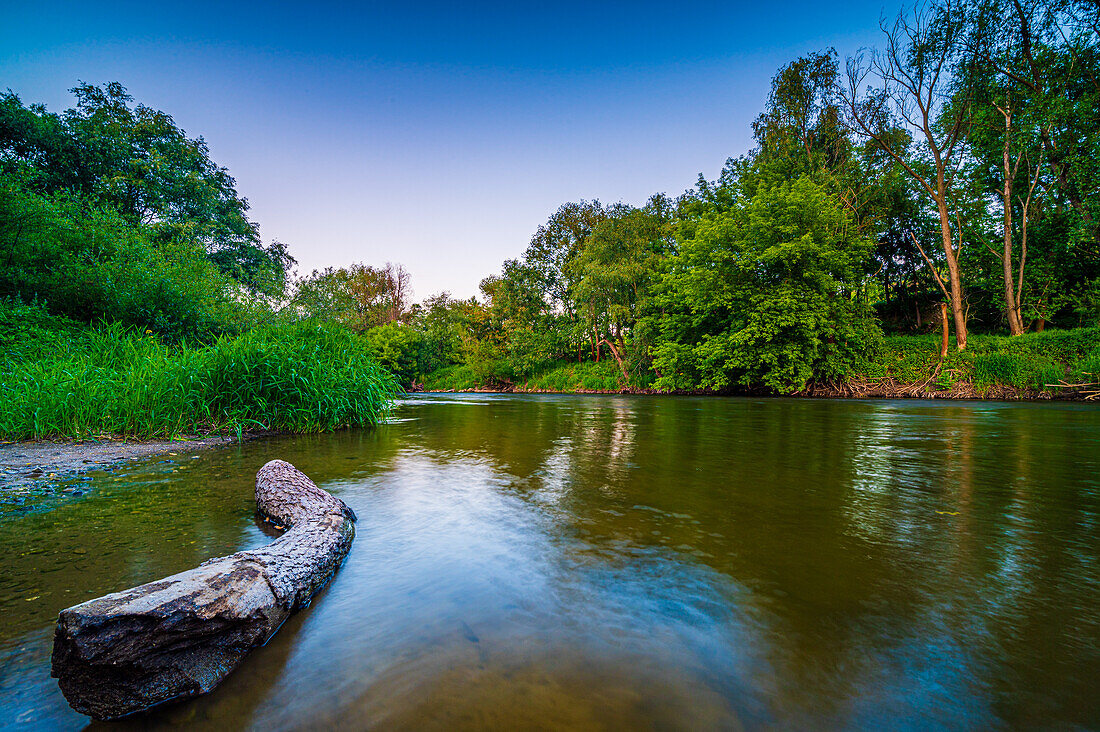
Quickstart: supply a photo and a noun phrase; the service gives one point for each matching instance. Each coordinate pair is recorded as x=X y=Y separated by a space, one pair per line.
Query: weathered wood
x=179 y=636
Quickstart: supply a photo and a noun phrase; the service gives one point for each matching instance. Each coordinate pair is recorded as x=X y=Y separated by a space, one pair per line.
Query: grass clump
x=568 y=376
x=1030 y=361
x=115 y=381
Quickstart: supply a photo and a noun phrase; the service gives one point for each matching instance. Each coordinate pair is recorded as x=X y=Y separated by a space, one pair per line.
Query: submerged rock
x=178 y=637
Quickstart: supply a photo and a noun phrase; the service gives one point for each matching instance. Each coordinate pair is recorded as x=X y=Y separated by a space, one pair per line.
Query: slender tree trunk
x=1012 y=313
x=943 y=325
x=618 y=358
x=954 y=289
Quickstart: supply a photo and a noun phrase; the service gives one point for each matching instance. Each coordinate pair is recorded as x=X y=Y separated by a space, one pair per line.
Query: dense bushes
x=112 y=380
x=88 y=263
x=764 y=293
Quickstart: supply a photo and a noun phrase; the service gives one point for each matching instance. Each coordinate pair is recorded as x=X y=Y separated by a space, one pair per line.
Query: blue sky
x=438 y=135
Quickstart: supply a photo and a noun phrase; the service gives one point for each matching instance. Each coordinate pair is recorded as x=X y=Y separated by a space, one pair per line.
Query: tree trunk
x=619 y=359
x=1012 y=311
x=943 y=325
x=954 y=289
x=180 y=636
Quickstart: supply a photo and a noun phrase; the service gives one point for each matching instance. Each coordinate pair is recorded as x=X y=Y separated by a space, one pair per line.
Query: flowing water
x=604 y=562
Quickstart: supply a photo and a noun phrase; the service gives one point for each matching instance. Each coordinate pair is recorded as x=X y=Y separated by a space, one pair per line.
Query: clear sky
x=438 y=135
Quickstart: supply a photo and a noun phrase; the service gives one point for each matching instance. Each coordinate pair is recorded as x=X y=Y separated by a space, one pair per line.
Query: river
x=606 y=562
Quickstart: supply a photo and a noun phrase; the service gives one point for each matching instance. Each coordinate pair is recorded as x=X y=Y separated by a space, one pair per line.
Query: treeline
x=948 y=178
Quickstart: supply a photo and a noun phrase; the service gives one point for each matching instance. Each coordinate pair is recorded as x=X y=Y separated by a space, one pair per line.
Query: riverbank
x=1058 y=365
x=875 y=389
x=35 y=463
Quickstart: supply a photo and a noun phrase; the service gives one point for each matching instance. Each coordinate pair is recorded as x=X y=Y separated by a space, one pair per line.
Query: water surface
x=603 y=562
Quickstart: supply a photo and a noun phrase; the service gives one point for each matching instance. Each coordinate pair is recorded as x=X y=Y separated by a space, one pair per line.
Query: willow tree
x=912 y=81
x=616 y=271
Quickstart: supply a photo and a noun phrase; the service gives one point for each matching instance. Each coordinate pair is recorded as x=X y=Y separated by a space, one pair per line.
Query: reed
x=114 y=381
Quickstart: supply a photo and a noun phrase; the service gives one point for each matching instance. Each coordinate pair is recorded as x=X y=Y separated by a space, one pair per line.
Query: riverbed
x=611 y=562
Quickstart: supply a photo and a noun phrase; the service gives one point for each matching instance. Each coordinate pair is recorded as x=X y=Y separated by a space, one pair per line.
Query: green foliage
x=442 y=323
x=458 y=377
x=28 y=332
x=88 y=263
x=358 y=296
x=397 y=348
x=763 y=294
x=114 y=381
x=573 y=377
x=135 y=161
x=1031 y=361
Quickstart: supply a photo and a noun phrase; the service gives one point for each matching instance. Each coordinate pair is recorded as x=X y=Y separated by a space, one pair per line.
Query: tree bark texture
x=178 y=637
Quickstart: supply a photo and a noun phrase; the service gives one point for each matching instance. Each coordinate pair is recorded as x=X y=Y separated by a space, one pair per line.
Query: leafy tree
x=764 y=295
x=517 y=331
x=442 y=323
x=135 y=160
x=615 y=272
x=358 y=296
x=554 y=246
x=799 y=131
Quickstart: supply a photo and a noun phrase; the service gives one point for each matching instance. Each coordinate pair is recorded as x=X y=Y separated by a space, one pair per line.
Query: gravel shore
x=26 y=464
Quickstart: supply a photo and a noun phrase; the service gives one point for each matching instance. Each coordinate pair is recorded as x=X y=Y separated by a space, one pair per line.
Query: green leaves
x=135 y=161
x=765 y=294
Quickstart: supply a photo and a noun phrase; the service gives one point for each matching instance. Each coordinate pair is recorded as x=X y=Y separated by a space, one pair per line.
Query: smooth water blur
x=619 y=562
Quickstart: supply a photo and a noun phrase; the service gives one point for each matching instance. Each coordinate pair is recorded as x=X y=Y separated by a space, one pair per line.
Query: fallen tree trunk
x=179 y=636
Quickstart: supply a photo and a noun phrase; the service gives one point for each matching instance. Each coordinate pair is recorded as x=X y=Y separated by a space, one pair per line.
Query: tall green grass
x=1030 y=361
x=113 y=381
x=569 y=376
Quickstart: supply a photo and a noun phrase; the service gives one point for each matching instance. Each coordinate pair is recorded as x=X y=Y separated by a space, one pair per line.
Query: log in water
x=179 y=636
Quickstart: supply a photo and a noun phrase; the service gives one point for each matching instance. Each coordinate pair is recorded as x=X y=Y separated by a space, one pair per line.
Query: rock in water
x=179 y=636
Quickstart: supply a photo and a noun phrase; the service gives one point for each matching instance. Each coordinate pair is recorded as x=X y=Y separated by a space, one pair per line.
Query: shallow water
x=603 y=562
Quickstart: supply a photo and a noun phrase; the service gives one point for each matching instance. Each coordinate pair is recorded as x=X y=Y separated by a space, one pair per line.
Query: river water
x=605 y=562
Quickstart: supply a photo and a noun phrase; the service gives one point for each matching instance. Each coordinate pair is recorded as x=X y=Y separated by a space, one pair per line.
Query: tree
x=764 y=294
x=616 y=271
x=556 y=243
x=800 y=126
x=135 y=160
x=913 y=82
x=359 y=296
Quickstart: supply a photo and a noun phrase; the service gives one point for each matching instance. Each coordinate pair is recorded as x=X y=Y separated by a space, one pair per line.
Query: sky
x=436 y=135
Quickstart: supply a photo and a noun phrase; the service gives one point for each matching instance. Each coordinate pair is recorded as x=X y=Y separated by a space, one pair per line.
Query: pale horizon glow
x=436 y=137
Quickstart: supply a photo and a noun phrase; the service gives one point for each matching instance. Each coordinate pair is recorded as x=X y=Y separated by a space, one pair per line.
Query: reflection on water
x=614 y=562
